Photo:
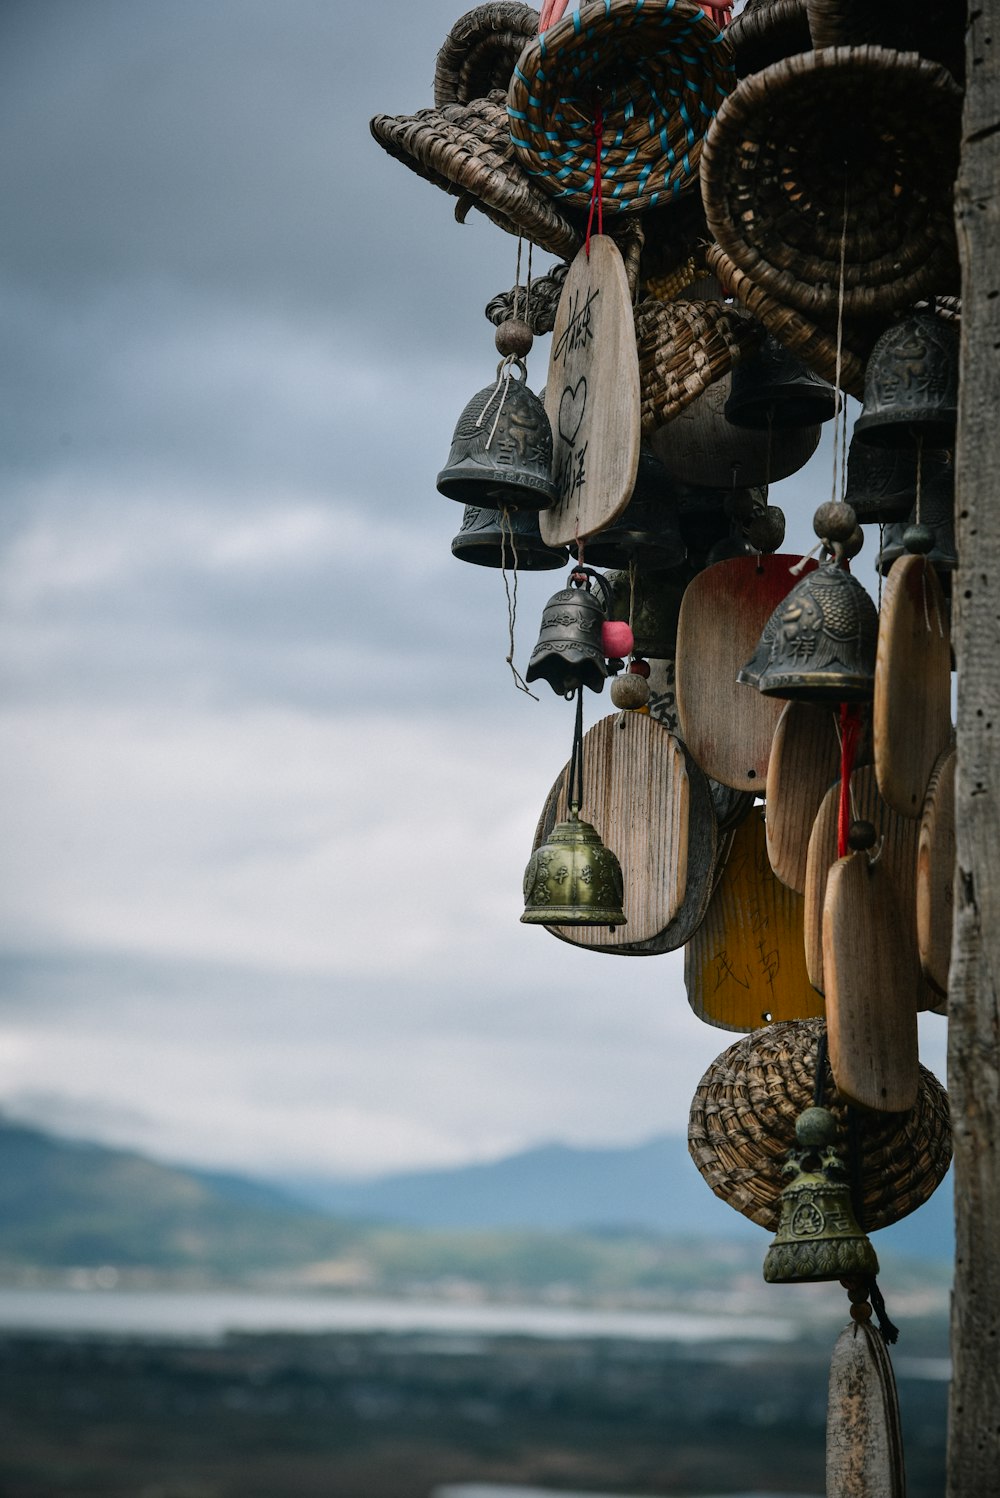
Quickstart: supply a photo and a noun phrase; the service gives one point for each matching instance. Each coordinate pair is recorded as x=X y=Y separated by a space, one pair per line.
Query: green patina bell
x=818 y=1236
x=573 y=879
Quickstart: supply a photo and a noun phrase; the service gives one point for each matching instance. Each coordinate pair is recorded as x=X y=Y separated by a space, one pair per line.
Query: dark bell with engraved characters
x=573 y=879
x=501 y=453
x=819 y=643
x=818 y=1236
x=510 y=539
x=647 y=531
x=911 y=385
x=652 y=607
x=569 y=654
x=711 y=518
x=773 y=388
x=882 y=481
x=936 y=518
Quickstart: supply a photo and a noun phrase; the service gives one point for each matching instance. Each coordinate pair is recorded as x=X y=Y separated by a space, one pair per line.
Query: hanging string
x=839 y=400
x=881 y=548
x=527 y=289
x=517 y=279
x=507 y=534
x=850 y=723
x=888 y=1332
x=596 y=200
x=575 y=791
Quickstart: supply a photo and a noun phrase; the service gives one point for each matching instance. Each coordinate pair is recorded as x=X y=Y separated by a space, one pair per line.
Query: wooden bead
x=861 y=836
x=834 y=522
x=766 y=531
x=514 y=337
x=629 y=692
x=918 y=539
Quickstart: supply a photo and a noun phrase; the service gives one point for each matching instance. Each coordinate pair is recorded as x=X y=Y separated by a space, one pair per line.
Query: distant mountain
x=650 y=1187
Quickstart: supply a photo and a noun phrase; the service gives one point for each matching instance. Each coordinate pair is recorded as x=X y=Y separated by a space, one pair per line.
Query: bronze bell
x=936 y=518
x=573 y=879
x=882 y=481
x=819 y=643
x=647 y=532
x=713 y=516
x=501 y=453
x=652 y=610
x=772 y=388
x=491 y=538
x=911 y=385
x=568 y=653
x=818 y=1236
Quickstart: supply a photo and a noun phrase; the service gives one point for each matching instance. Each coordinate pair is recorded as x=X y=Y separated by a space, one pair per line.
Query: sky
x=268 y=789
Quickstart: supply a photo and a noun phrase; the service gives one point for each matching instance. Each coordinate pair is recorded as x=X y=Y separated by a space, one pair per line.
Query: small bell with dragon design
x=501 y=453
x=818 y=1236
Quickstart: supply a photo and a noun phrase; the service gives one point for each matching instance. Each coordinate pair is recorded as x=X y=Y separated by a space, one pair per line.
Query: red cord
x=850 y=724
x=595 y=191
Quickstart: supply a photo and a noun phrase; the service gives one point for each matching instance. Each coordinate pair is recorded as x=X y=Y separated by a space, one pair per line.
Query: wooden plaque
x=864 y=1443
x=911 y=715
x=729 y=726
x=899 y=853
x=871 y=982
x=592 y=397
x=745 y=966
x=936 y=874
x=803 y=764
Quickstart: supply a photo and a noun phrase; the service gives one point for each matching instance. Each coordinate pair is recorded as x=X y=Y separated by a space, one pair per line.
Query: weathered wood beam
x=974 y=1022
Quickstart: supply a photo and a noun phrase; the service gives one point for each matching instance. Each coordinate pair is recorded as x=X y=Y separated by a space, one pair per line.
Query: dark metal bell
x=501 y=453
x=911 y=385
x=818 y=1236
x=774 y=389
x=652 y=610
x=573 y=879
x=819 y=643
x=647 y=532
x=568 y=654
x=706 y=517
x=937 y=513
x=512 y=540
x=882 y=481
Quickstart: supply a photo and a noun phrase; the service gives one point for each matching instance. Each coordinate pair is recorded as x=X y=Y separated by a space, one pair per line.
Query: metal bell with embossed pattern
x=911 y=385
x=647 y=531
x=819 y=643
x=573 y=879
x=493 y=538
x=818 y=1236
x=501 y=453
x=568 y=653
x=773 y=388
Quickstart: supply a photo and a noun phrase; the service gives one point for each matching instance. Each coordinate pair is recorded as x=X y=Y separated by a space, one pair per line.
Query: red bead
x=639 y=668
x=616 y=638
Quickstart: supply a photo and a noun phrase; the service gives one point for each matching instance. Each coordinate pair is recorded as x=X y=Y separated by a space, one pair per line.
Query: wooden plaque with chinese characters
x=745 y=965
x=592 y=397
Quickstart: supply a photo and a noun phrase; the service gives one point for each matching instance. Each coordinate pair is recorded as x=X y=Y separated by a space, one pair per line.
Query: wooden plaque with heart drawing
x=592 y=397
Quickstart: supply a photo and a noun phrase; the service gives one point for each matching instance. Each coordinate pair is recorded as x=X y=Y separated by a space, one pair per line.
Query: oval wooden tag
x=911 y=715
x=871 y=982
x=592 y=397
x=745 y=966
x=864 y=1443
x=936 y=874
x=729 y=726
x=804 y=762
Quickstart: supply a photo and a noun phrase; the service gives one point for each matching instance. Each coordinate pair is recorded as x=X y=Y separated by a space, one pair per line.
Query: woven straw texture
x=659 y=68
x=743 y=1123
x=480 y=51
x=813 y=345
x=863 y=129
x=683 y=348
x=765 y=31
x=465 y=148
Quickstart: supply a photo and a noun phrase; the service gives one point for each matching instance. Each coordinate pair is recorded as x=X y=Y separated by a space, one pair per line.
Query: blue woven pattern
x=659 y=69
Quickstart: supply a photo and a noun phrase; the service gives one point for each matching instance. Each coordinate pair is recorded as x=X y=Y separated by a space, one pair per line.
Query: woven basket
x=480 y=51
x=743 y=1123
x=775 y=183
x=659 y=69
x=683 y=348
x=465 y=148
x=765 y=31
x=813 y=345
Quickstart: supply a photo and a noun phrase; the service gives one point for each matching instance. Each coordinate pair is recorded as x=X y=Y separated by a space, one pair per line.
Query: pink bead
x=616 y=638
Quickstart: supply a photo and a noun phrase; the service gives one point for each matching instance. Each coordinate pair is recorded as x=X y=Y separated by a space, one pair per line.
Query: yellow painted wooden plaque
x=592 y=397
x=729 y=726
x=936 y=874
x=745 y=966
x=911 y=713
x=871 y=978
x=803 y=764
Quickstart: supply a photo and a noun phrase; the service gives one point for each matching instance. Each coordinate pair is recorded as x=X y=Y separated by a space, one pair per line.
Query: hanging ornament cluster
x=753 y=217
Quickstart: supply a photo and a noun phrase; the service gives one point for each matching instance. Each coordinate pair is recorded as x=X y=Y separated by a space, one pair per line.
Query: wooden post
x=974 y=1019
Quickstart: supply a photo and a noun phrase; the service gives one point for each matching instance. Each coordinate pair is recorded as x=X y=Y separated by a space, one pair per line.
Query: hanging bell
x=774 y=389
x=712 y=516
x=653 y=607
x=647 y=532
x=511 y=539
x=881 y=481
x=911 y=385
x=933 y=535
x=573 y=879
x=819 y=643
x=568 y=653
x=818 y=1236
x=501 y=453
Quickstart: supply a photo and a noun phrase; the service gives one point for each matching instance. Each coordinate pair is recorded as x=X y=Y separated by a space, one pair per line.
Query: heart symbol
x=571 y=410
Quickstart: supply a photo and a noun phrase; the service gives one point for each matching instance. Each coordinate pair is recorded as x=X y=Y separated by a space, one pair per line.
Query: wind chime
x=753 y=218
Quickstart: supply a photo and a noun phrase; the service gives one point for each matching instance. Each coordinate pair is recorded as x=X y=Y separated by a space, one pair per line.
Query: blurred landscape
x=175 y=1333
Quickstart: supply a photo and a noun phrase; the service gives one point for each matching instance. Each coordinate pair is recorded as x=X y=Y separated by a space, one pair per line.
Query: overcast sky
x=267 y=789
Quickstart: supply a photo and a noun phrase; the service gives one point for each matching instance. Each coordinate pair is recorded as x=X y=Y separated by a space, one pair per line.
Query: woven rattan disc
x=660 y=69
x=813 y=345
x=480 y=51
x=465 y=148
x=777 y=173
x=765 y=31
x=683 y=348
x=742 y=1125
